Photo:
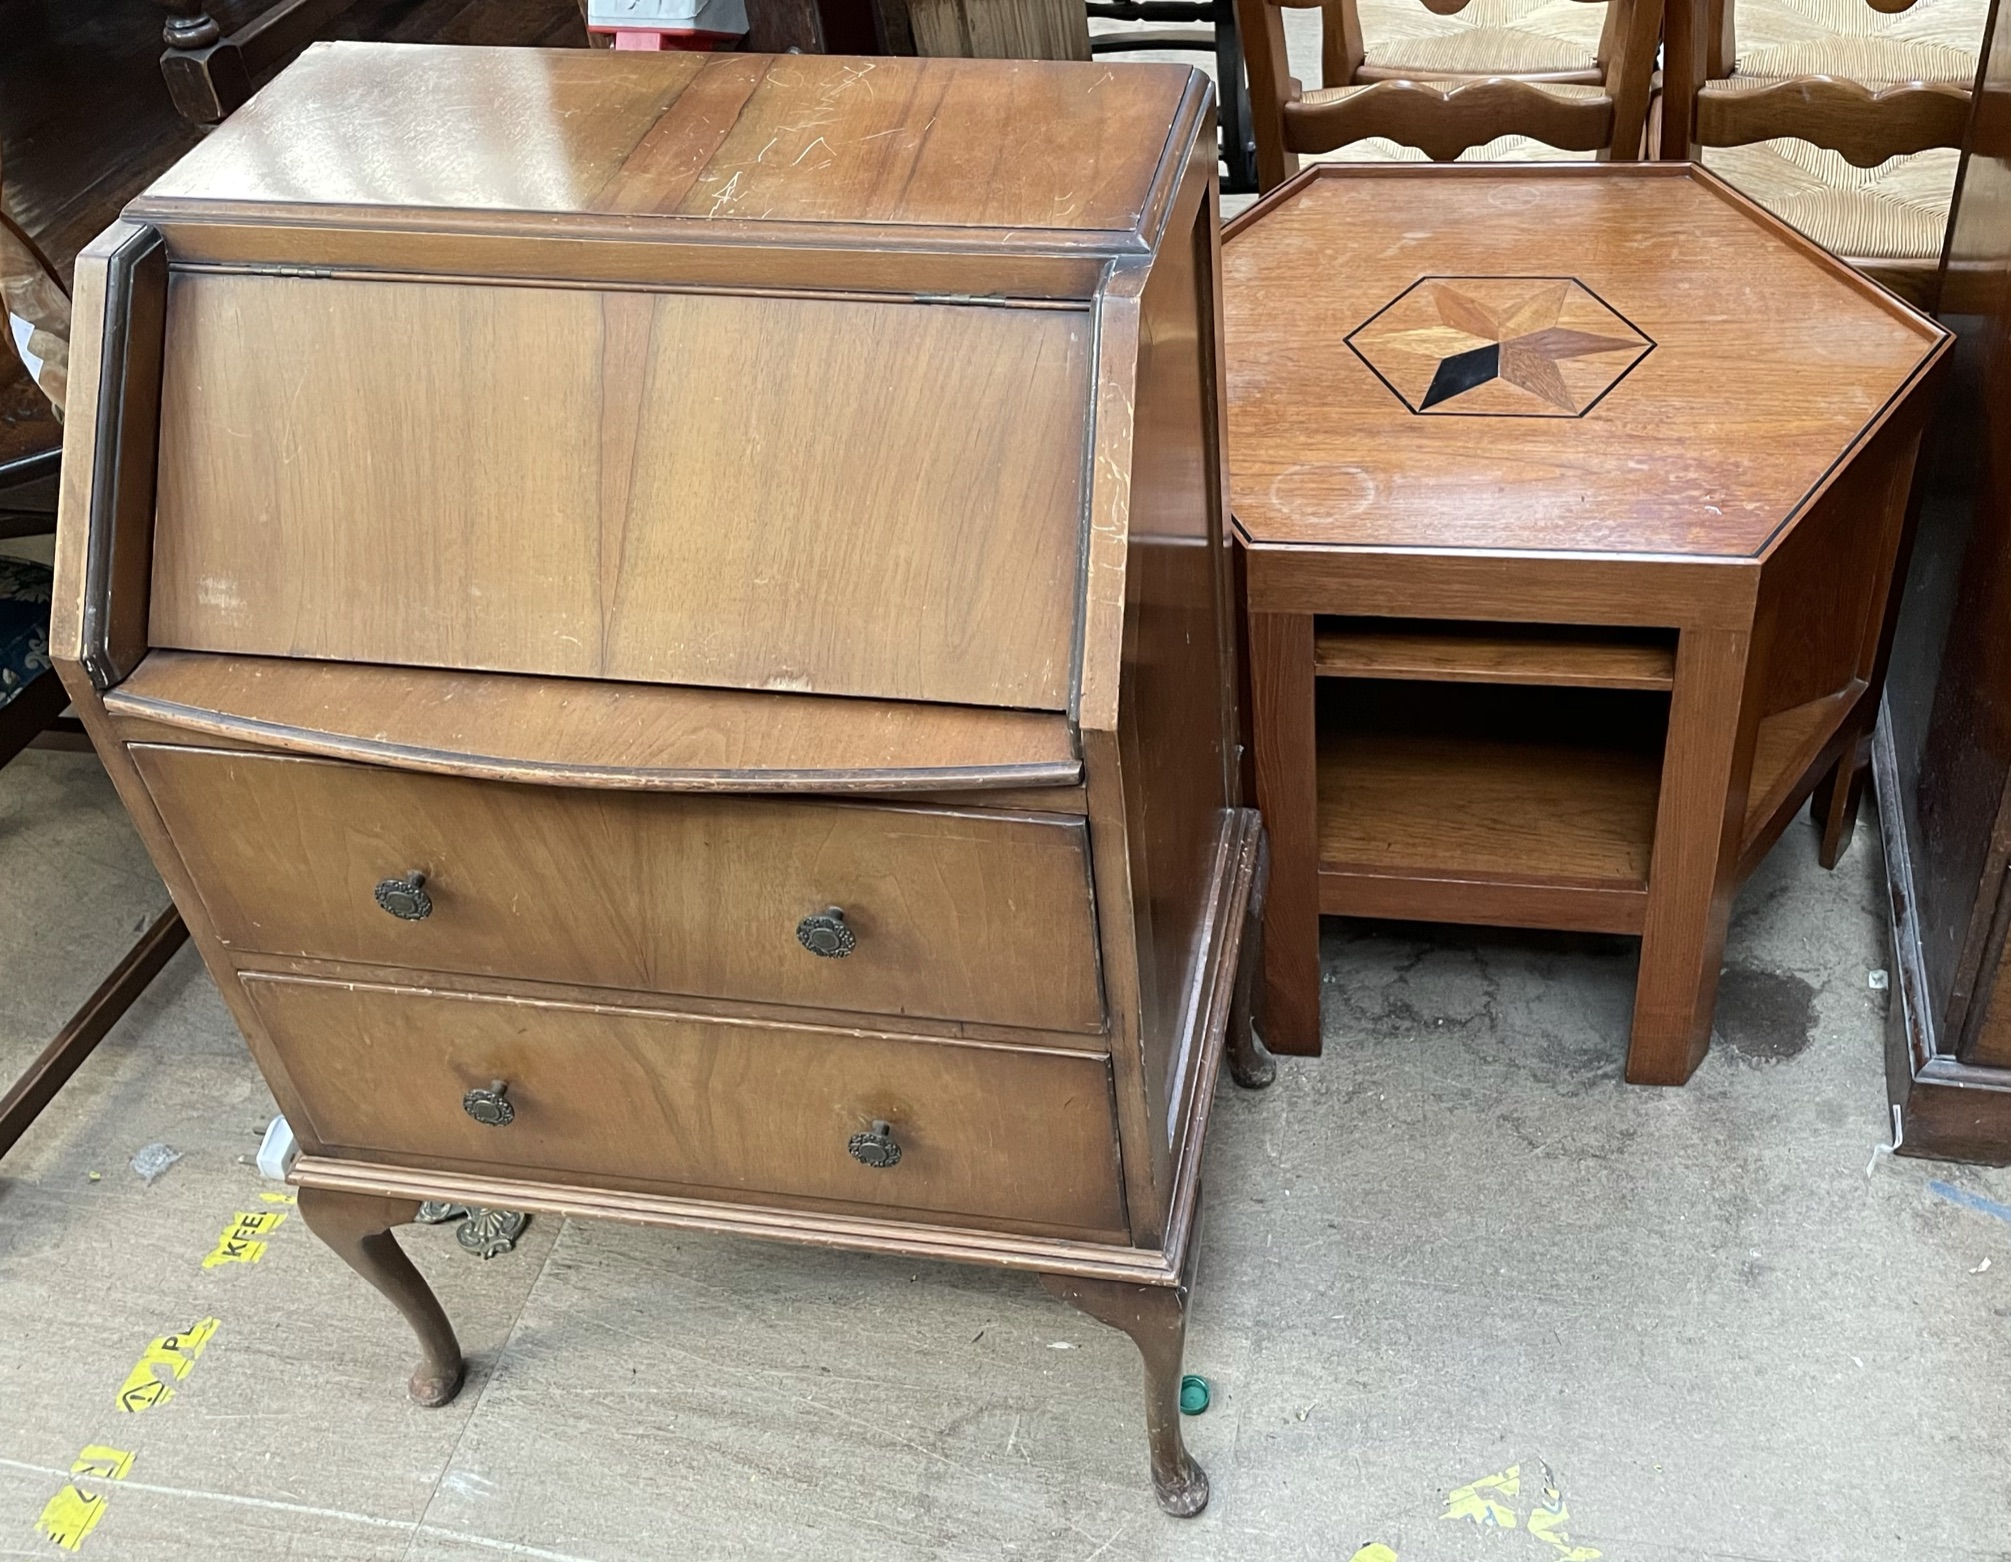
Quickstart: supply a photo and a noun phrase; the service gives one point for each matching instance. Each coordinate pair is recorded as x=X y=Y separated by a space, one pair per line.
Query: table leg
x=1282 y=735
x=1699 y=823
x=1835 y=803
x=1250 y=1062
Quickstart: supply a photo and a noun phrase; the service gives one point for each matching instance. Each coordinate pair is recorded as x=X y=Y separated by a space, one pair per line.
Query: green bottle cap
x=1193 y=1394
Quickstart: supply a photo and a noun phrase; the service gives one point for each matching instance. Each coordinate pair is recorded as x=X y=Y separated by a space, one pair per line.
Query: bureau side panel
x=825 y=495
x=1175 y=701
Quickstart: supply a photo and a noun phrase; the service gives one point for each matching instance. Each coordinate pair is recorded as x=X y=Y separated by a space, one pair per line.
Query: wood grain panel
x=989 y=30
x=1769 y=363
x=1827 y=582
x=642 y=1098
x=1175 y=726
x=1032 y=150
x=957 y=915
x=1558 y=814
x=1785 y=746
x=572 y=732
x=655 y=500
x=1560 y=655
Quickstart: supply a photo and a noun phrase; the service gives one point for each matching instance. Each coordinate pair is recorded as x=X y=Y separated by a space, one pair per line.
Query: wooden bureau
x=666 y=621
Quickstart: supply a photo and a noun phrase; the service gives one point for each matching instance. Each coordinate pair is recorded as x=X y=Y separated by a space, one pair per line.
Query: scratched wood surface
x=1766 y=363
x=613 y=476
x=780 y=138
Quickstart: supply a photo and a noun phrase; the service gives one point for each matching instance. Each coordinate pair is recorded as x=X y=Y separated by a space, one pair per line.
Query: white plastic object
x=278 y=1150
x=651 y=24
x=642 y=13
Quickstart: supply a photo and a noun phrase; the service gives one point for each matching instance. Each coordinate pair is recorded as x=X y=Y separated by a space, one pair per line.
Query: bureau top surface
x=1598 y=358
x=1063 y=154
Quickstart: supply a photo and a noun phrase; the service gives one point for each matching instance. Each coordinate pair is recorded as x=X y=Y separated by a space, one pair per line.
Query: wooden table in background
x=1570 y=498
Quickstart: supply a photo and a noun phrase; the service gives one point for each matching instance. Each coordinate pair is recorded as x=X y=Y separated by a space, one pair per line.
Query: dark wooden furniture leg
x=1287 y=764
x=1155 y=1316
x=1835 y=802
x=358 y=1226
x=210 y=74
x=1250 y=1062
x=36 y=1088
x=1693 y=875
x=1238 y=143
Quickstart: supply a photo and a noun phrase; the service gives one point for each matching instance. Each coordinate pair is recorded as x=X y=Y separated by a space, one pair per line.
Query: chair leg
x=1155 y=1316
x=28 y=715
x=1239 y=149
x=358 y=1227
x=76 y=1041
x=1250 y=1062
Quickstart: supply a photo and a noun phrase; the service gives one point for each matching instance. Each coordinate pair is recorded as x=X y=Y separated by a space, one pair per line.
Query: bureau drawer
x=958 y=915
x=633 y=1096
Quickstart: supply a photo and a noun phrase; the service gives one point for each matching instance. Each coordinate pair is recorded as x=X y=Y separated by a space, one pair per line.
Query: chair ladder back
x=1706 y=105
x=1441 y=113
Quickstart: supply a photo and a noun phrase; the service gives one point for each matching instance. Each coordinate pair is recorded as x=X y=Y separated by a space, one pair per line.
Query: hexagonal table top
x=1604 y=358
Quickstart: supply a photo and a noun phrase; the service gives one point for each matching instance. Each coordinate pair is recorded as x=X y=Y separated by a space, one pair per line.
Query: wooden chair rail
x=1454 y=7
x=1863 y=125
x=1364 y=74
x=1445 y=118
x=27 y=1096
x=1602 y=109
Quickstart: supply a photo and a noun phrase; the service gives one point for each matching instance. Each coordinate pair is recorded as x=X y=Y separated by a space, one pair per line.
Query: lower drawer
x=642 y=1097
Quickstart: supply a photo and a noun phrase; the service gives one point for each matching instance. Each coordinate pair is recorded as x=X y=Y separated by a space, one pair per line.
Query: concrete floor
x=1454 y=1246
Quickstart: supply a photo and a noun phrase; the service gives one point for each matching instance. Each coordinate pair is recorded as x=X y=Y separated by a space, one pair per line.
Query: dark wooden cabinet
x=1942 y=758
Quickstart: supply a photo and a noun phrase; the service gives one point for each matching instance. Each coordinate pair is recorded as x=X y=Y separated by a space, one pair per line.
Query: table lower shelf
x=1516 y=805
x=1436 y=808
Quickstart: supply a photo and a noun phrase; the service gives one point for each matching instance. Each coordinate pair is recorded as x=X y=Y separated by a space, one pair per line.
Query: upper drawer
x=955 y=915
x=823 y=495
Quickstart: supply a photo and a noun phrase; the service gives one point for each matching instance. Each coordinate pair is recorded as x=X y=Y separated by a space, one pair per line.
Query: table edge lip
x=1838 y=270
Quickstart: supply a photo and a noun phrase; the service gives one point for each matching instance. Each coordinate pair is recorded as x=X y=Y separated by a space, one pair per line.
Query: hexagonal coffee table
x=1569 y=500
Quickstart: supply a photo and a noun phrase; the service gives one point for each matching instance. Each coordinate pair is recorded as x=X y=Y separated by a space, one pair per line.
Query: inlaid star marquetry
x=1544 y=347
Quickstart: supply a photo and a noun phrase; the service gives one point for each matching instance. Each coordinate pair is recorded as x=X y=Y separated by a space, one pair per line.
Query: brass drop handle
x=491 y=1106
x=825 y=933
x=875 y=1147
x=406 y=898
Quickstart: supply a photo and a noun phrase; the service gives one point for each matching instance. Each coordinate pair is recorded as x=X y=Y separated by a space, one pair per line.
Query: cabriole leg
x=358 y=1227
x=1250 y=1062
x=1155 y=1316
